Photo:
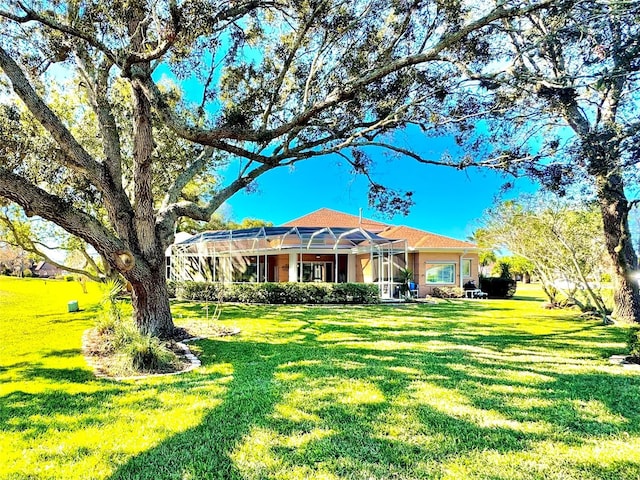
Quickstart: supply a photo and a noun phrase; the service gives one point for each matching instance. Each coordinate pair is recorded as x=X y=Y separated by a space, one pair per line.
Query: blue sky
x=447 y=201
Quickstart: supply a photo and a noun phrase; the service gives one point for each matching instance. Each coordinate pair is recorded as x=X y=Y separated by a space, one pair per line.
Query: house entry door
x=316 y=272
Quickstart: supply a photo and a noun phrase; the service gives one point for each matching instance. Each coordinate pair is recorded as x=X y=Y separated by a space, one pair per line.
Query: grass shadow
x=71 y=375
x=204 y=451
x=315 y=407
x=33 y=414
x=411 y=391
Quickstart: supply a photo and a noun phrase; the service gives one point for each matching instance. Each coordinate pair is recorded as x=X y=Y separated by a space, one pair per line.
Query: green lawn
x=461 y=389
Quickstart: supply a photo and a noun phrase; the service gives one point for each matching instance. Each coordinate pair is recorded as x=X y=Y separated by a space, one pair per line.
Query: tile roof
x=325 y=217
x=416 y=238
x=421 y=239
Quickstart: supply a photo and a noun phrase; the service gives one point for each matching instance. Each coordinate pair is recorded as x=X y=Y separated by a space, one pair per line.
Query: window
x=466 y=267
x=245 y=270
x=248 y=269
x=440 y=273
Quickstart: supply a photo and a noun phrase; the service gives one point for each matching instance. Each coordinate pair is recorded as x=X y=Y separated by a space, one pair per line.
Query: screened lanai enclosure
x=290 y=254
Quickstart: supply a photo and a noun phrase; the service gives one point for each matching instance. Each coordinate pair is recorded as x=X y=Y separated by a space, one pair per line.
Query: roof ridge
x=361 y=220
x=424 y=237
x=432 y=233
x=307 y=214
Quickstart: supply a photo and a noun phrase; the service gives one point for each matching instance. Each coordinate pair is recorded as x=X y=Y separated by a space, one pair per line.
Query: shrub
x=447 y=292
x=497 y=287
x=470 y=285
x=278 y=293
x=26 y=273
x=366 y=293
x=206 y=292
x=633 y=341
x=68 y=278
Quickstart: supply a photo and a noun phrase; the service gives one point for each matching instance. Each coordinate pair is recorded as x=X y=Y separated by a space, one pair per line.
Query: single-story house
x=326 y=246
x=45 y=270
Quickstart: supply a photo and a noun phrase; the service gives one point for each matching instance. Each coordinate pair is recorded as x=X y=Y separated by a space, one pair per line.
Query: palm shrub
x=406 y=276
x=119 y=338
x=109 y=319
x=146 y=354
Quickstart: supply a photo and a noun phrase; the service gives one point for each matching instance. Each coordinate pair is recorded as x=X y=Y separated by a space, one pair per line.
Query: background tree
x=486 y=255
x=43 y=240
x=13 y=260
x=517 y=266
x=219 y=221
x=562 y=242
x=279 y=82
x=558 y=90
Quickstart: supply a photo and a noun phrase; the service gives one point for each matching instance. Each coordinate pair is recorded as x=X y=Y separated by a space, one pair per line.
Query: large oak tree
x=558 y=91
x=276 y=82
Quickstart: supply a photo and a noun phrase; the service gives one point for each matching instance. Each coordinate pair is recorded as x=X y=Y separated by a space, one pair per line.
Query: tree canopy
x=123 y=105
x=555 y=98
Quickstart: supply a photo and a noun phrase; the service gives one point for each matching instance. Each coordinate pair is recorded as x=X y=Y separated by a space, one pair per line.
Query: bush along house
x=326 y=246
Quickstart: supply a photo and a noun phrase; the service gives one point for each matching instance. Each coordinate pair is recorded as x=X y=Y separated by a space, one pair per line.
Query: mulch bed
x=98 y=355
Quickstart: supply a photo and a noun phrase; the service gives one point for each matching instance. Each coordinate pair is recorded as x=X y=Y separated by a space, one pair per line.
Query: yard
x=461 y=389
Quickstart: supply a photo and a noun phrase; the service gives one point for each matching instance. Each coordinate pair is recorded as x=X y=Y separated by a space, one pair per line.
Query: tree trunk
x=150 y=300
x=615 y=217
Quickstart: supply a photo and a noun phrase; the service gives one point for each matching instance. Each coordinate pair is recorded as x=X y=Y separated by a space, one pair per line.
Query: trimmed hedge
x=497 y=287
x=279 y=293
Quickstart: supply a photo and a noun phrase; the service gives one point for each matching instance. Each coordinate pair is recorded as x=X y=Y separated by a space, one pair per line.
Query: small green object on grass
x=73 y=306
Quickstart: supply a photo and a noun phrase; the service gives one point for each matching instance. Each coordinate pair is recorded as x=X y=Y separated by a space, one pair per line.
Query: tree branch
x=97 y=87
x=168 y=215
x=107 y=180
x=287 y=64
x=337 y=96
x=186 y=176
x=35 y=201
x=203 y=213
x=29 y=246
x=78 y=157
x=32 y=15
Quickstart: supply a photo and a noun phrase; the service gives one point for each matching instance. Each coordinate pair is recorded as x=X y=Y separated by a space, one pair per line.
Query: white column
x=293 y=267
x=257 y=268
x=228 y=270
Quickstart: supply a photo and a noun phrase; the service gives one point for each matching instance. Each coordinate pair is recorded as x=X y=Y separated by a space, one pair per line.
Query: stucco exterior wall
x=418 y=263
x=281 y=266
x=363 y=268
